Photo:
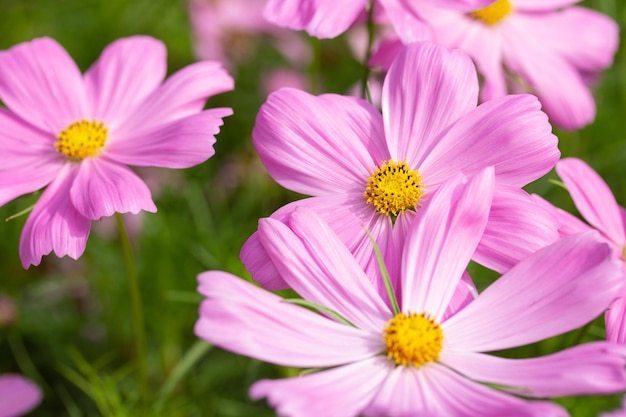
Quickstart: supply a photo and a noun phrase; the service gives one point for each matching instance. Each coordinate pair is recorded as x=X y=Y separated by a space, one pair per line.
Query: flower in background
x=621 y=412
x=76 y=134
x=370 y=170
x=596 y=203
x=330 y=18
x=553 y=49
x=418 y=357
x=18 y=395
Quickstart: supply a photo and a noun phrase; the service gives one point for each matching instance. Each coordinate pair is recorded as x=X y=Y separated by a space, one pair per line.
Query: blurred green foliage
x=73 y=332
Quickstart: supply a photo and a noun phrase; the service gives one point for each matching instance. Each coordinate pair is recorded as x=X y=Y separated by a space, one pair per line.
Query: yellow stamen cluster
x=81 y=139
x=393 y=188
x=413 y=339
x=493 y=13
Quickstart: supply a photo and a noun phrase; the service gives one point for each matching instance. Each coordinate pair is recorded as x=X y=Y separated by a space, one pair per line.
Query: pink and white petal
x=102 y=188
x=427 y=88
x=404 y=392
x=568 y=224
x=32 y=175
x=464 y=294
x=21 y=139
x=591 y=49
x=250 y=321
x=558 y=84
x=455 y=395
x=346 y=214
x=320 y=268
x=615 y=321
x=340 y=392
x=40 y=82
x=320 y=18
x=18 y=395
x=127 y=72
x=408 y=25
x=182 y=95
x=517 y=227
x=182 y=143
x=593 y=198
x=556 y=289
x=443 y=238
x=54 y=224
x=510 y=133
x=461 y=5
x=543 y=5
x=319 y=145
x=603 y=370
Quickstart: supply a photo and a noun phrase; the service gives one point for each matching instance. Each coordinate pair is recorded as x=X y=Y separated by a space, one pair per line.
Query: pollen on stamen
x=413 y=339
x=493 y=13
x=393 y=187
x=81 y=139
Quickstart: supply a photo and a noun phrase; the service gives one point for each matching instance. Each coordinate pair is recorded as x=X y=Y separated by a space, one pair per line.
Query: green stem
x=315 y=67
x=371 y=29
x=137 y=310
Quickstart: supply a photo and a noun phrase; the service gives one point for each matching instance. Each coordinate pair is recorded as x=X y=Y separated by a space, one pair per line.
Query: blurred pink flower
x=227 y=30
x=342 y=151
x=18 y=395
x=330 y=18
x=75 y=134
x=423 y=359
x=551 y=47
x=621 y=412
x=596 y=203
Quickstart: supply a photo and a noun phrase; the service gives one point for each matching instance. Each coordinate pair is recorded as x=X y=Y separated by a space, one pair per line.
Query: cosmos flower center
x=393 y=187
x=413 y=339
x=493 y=13
x=81 y=139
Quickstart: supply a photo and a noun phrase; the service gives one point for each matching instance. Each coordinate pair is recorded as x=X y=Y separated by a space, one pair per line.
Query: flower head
x=18 y=395
x=425 y=356
x=551 y=47
x=367 y=169
x=77 y=133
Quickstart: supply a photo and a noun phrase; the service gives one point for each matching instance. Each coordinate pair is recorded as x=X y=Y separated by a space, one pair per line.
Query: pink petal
x=320 y=18
x=558 y=84
x=509 y=133
x=427 y=88
x=320 y=268
x=441 y=242
x=461 y=5
x=592 y=368
x=249 y=321
x=407 y=24
x=42 y=85
x=18 y=395
x=340 y=392
x=464 y=294
x=593 y=198
x=454 y=395
x=127 y=71
x=517 y=227
x=568 y=224
x=556 y=289
x=182 y=143
x=31 y=176
x=54 y=224
x=615 y=320
x=102 y=188
x=182 y=95
x=347 y=216
x=21 y=139
x=591 y=49
x=321 y=145
x=543 y=5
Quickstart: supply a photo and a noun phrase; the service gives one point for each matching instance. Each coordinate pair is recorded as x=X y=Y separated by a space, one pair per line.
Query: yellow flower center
x=413 y=339
x=393 y=188
x=493 y=13
x=81 y=139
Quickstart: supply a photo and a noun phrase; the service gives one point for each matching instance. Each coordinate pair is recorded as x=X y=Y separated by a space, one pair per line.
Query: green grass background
x=73 y=334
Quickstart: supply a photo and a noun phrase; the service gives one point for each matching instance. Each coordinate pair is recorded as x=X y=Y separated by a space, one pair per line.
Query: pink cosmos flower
x=76 y=134
x=551 y=46
x=423 y=358
x=370 y=170
x=330 y=18
x=18 y=395
x=597 y=205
